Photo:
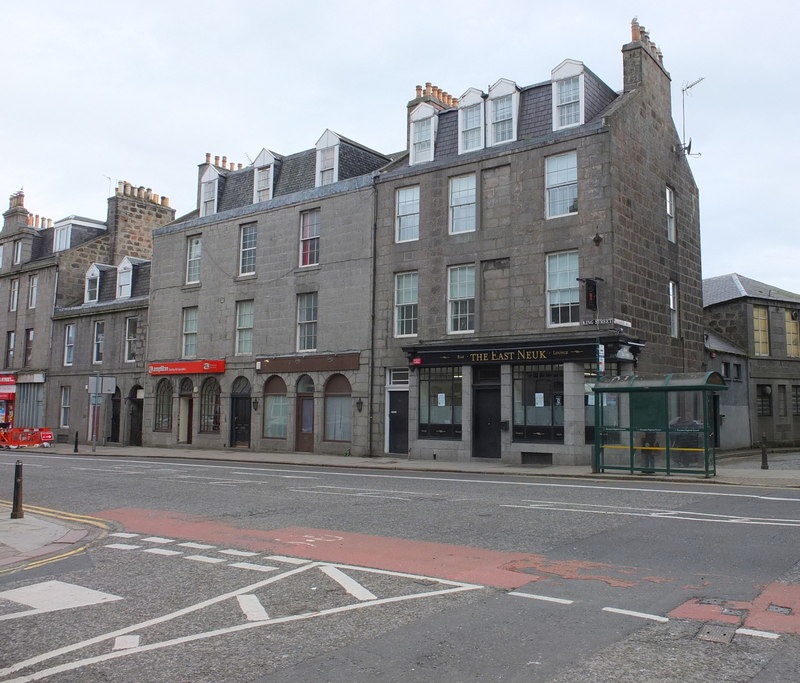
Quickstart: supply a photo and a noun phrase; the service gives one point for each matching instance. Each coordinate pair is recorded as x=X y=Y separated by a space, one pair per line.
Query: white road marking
x=342 y=493
x=158 y=539
x=546 y=598
x=126 y=642
x=655 y=513
x=349 y=584
x=122 y=546
x=758 y=634
x=287 y=560
x=196 y=546
x=252 y=607
x=455 y=587
x=51 y=596
x=238 y=553
x=640 y=615
x=204 y=558
x=123 y=534
x=413 y=476
x=162 y=551
x=254 y=567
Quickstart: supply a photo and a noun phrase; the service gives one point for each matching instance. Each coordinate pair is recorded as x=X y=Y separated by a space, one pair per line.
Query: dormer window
x=264 y=176
x=327 y=159
x=470 y=121
x=92 y=290
x=503 y=107
x=61 y=237
x=208 y=192
x=423 y=134
x=124 y=279
x=17 y=252
x=568 y=101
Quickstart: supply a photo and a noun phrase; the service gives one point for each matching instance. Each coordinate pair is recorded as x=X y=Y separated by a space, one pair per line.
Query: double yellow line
x=62 y=515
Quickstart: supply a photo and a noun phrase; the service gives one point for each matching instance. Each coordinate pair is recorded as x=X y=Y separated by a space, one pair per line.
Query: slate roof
x=714 y=342
x=717 y=290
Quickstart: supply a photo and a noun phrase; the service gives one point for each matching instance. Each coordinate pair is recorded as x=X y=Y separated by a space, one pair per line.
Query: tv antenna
x=686 y=148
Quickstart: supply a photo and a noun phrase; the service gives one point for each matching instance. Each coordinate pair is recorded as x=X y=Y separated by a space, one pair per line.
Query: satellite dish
x=689 y=147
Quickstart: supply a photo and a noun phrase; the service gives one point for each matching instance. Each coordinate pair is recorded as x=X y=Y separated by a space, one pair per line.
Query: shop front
x=8 y=394
x=528 y=403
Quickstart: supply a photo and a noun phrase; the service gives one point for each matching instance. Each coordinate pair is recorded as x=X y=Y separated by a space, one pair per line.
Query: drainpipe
x=371 y=372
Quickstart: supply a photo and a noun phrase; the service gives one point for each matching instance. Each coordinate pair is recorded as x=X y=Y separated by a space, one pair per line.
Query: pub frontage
x=522 y=403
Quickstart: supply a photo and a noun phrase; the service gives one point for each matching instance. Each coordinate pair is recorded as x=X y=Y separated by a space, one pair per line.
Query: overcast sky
x=96 y=91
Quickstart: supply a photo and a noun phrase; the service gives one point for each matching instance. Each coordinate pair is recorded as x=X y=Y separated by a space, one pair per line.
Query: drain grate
x=716 y=633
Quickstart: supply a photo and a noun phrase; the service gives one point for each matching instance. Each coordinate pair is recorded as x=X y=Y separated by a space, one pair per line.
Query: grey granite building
x=754 y=342
x=530 y=238
x=259 y=323
x=45 y=267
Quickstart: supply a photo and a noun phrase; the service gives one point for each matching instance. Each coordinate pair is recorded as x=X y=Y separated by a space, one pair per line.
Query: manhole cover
x=716 y=633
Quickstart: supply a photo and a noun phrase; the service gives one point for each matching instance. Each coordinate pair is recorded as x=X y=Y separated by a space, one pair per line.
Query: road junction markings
x=253 y=612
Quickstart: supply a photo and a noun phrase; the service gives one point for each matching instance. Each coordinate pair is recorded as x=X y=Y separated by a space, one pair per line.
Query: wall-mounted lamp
x=597 y=239
x=255 y=404
x=359 y=405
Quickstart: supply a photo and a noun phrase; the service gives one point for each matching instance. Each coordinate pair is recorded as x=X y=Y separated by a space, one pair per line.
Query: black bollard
x=75 y=448
x=16 y=510
x=764 y=463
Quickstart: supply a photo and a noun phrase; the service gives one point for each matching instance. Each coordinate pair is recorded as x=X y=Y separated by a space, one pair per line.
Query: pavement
x=36 y=537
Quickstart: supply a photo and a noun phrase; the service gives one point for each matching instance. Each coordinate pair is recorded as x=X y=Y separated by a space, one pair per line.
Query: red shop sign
x=187 y=367
x=8 y=379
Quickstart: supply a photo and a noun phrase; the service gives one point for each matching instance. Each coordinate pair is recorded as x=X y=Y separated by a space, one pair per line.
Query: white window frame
x=422 y=134
x=462 y=197
x=563 y=289
x=98 y=340
x=310 y=230
x=561 y=77
x=91 y=290
x=327 y=159
x=62 y=237
x=194 y=252
x=245 y=317
x=11 y=345
x=471 y=102
x=461 y=295
x=672 y=302
x=69 y=344
x=66 y=400
x=208 y=191
x=13 y=295
x=560 y=175
x=33 y=289
x=761 y=332
x=124 y=281
x=307 y=315
x=131 y=330
x=248 y=243
x=17 y=257
x=669 y=199
x=499 y=92
x=189 y=328
x=406 y=304
x=407 y=214
x=262 y=184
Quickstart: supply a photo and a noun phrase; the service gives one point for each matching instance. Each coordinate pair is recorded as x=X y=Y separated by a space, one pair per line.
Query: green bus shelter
x=661 y=423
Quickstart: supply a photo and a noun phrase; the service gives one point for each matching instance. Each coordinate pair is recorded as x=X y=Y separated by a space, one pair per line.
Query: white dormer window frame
x=124 y=279
x=327 y=164
x=62 y=235
x=422 y=135
x=568 y=94
x=263 y=176
x=471 y=121
x=502 y=113
x=209 y=186
x=92 y=285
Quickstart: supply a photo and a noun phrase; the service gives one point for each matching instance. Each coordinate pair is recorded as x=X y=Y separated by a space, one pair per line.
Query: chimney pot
x=419 y=91
x=216 y=160
x=224 y=162
x=427 y=88
x=155 y=198
x=239 y=168
x=165 y=201
x=635 y=31
x=208 y=157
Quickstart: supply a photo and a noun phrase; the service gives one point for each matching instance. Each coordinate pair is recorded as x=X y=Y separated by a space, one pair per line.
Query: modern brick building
x=531 y=237
x=260 y=328
x=45 y=269
x=754 y=342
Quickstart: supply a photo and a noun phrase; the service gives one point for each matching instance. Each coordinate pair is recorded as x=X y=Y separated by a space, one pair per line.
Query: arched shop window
x=209 y=406
x=275 y=405
x=338 y=409
x=162 y=419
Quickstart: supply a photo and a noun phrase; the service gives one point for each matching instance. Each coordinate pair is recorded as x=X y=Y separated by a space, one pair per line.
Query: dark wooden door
x=486 y=422
x=135 y=424
x=240 y=421
x=304 y=424
x=398 y=422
